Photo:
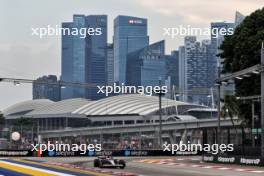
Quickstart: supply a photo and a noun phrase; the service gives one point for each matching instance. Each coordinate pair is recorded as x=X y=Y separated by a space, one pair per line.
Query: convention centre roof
x=129 y=104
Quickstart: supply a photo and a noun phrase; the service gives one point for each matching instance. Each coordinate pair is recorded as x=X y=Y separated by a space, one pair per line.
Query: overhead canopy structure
x=121 y=105
x=131 y=104
x=22 y=108
x=59 y=108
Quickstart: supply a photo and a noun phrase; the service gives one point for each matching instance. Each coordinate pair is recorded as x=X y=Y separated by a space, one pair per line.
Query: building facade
x=172 y=73
x=46 y=87
x=73 y=58
x=182 y=75
x=84 y=57
x=130 y=34
x=96 y=56
x=196 y=71
x=217 y=40
x=110 y=64
x=147 y=66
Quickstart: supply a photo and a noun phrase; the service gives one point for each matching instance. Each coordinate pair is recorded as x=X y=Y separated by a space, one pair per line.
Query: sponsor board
x=242 y=160
x=128 y=153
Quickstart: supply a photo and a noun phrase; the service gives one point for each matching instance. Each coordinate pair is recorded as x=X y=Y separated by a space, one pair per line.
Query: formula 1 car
x=108 y=161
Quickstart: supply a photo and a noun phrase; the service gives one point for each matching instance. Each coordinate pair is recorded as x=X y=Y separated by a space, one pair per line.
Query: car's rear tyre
x=100 y=164
x=96 y=163
x=122 y=163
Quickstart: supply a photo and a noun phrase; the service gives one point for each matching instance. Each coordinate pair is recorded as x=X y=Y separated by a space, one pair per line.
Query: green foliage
x=230 y=108
x=241 y=51
x=2 y=119
x=23 y=122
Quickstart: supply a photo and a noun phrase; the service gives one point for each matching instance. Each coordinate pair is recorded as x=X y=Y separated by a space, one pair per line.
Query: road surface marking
x=26 y=169
x=170 y=163
x=256 y=171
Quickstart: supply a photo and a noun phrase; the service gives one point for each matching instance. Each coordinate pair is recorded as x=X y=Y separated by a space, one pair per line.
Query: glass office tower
x=73 y=59
x=172 y=73
x=172 y=67
x=84 y=58
x=96 y=56
x=196 y=74
x=130 y=34
x=110 y=64
x=46 y=91
x=146 y=66
x=217 y=40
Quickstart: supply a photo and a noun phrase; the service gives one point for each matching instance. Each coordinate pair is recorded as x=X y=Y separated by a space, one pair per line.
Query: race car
x=108 y=161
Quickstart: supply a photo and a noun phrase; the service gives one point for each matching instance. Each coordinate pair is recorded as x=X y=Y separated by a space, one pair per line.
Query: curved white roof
x=26 y=106
x=127 y=104
x=130 y=104
x=61 y=107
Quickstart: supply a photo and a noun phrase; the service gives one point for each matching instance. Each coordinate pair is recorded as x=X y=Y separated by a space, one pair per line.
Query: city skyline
x=41 y=57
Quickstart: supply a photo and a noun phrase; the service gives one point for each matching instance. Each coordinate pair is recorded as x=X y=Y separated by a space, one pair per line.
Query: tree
x=241 y=51
x=2 y=120
x=23 y=122
x=230 y=108
x=2 y=123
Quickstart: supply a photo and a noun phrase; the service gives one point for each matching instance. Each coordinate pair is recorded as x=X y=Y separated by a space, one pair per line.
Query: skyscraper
x=110 y=64
x=239 y=17
x=182 y=74
x=46 y=88
x=172 y=73
x=172 y=67
x=217 y=40
x=195 y=70
x=146 y=66
x=84 y=57
x=73 y=59
x=96 y=55
x=130 y=34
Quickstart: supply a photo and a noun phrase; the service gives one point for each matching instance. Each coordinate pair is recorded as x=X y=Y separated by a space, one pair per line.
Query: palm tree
x=2 y=122
x=230 y=108
x=2 y=119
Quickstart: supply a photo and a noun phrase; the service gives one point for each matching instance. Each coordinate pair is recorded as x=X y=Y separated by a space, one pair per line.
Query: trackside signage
x=243 y=160
x=90 y=153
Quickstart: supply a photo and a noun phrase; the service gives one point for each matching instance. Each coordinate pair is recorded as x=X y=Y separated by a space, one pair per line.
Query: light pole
x=160 y=116
x=218 y=114
x=219 y=83
x=262 y=101
x=253 y=122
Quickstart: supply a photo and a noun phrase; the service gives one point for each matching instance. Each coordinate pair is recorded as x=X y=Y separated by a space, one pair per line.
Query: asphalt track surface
x=176 y=166
x=185 y=166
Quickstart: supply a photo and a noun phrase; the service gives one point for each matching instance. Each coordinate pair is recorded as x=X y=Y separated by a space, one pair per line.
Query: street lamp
x=160 y=116
x=16 y=83
x=238 y=77
x=262 y=101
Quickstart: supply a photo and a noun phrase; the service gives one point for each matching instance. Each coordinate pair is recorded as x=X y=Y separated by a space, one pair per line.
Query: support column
x=204 y=136
x=253 y=123
x=262 y=101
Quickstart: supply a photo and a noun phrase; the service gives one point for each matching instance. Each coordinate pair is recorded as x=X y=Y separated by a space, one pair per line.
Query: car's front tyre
x=122 y=163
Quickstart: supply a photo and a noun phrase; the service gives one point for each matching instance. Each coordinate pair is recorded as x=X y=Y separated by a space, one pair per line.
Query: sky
x=23 y=55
